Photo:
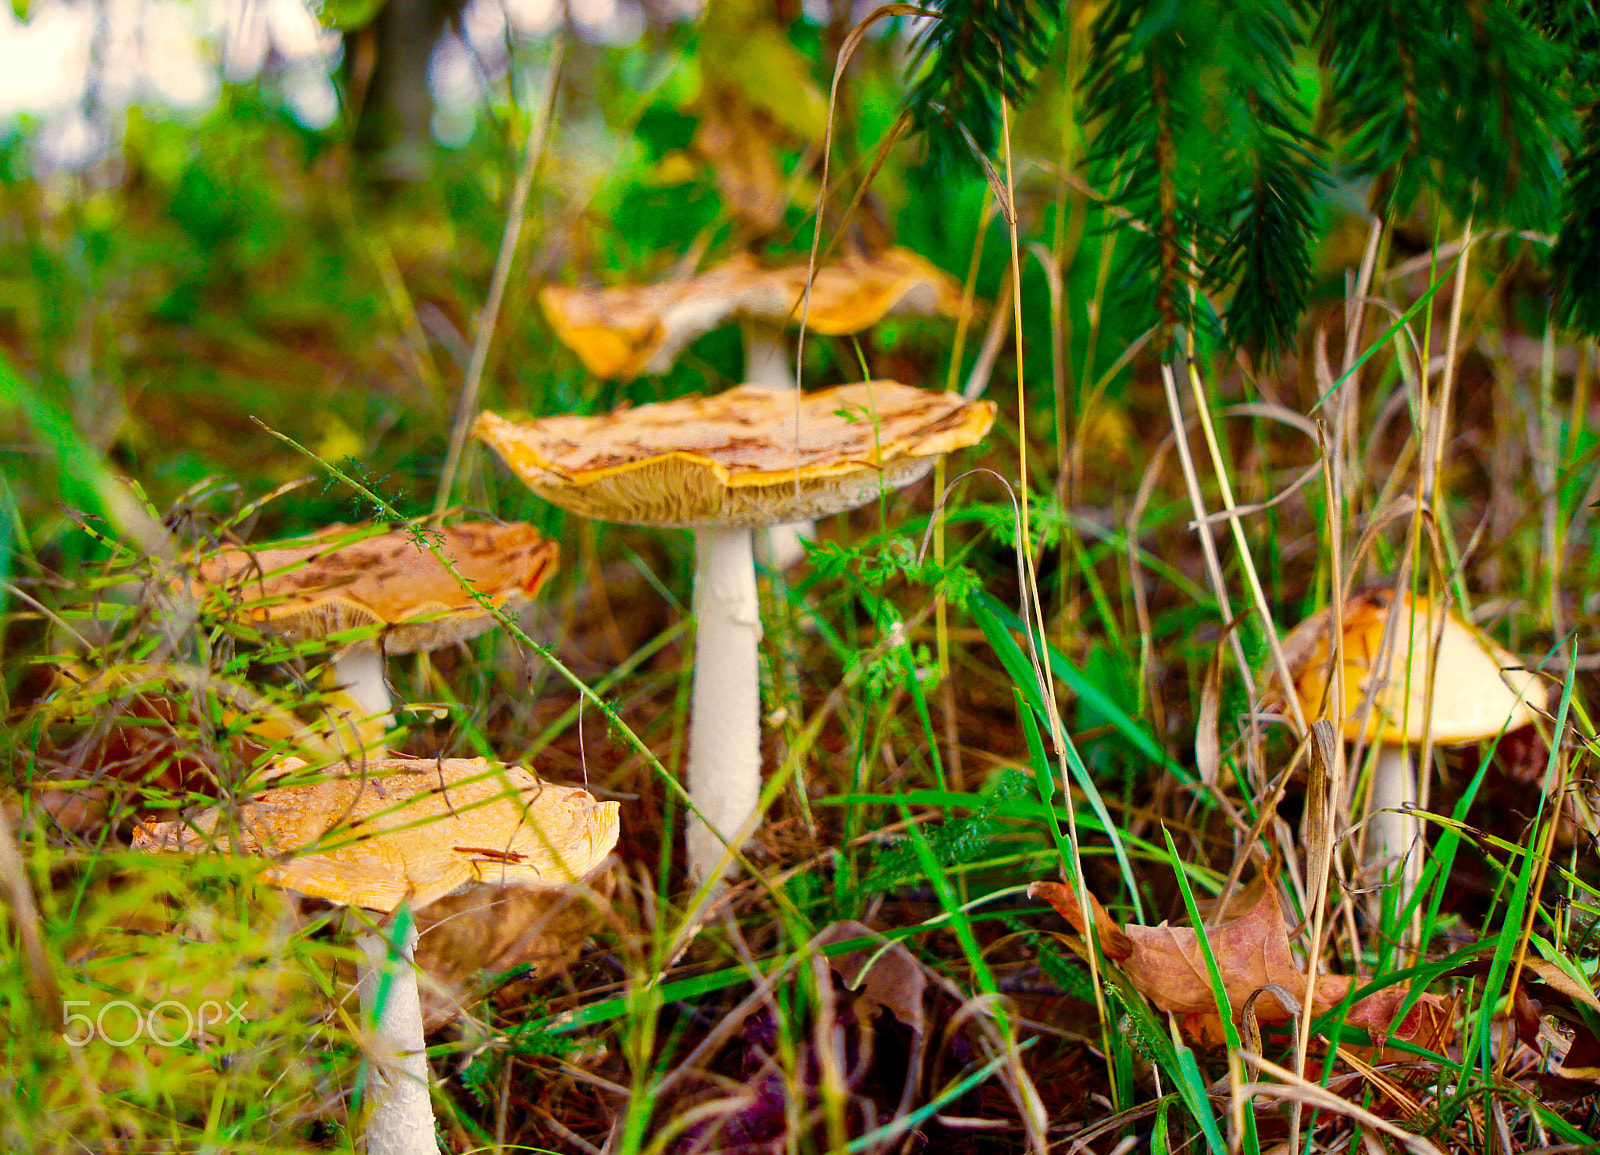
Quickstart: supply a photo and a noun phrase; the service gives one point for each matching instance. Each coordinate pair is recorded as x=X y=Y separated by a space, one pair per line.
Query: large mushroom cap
x=746 y=457
x=1478 y=688
x=633 y=329
x=409 y=829
x=336 y=582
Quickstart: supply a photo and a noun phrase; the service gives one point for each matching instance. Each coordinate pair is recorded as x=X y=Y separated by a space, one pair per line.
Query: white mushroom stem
x=769 y=363
x=768 y=357
x=358 y=668
x=725 y=709
x=1392 y=831
x=399 y=1115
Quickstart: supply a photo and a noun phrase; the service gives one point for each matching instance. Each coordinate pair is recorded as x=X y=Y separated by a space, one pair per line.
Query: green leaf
x=342 y=15
x=86 y=482
x=987 y=609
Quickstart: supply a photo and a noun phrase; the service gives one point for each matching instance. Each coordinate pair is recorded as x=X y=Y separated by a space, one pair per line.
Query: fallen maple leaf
x=1166 y=964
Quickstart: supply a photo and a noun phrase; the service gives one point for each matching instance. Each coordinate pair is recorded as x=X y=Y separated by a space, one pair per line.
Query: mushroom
x=723 y=466
x=330 y=583
x=1478 y=691
x=624 y=331
x=633 y=329
x=408 y=833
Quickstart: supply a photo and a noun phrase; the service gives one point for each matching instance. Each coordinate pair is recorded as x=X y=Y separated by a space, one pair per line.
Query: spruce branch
x=1204 y=138
x=1576 y=256
x=1271 y=226
x=1572 y=27
x=1139 y=97
x=1453 y=96
x=1267 y=256
x=1370 y=54
x=975 y=53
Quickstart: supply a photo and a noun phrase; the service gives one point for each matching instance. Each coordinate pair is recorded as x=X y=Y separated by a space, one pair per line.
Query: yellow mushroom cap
x=850 y=293
x=1478 y=688
x=334 y=582
x=744 y=458
x=633 y=329
x=409 y=828
x=627 y=330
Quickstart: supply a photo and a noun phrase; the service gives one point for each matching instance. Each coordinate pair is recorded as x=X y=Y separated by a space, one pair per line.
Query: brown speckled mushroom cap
x=633 y=329
x=333 y=582
x=739 y=459
x=1478 y=688
x=410 y=829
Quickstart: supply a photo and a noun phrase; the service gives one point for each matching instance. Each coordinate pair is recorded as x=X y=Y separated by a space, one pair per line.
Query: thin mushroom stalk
x=768 y=359
x=359 y=670
x=400 y=593
x=725 y=714
x=400 y=1116
x=1392 y=830
x=768 y=362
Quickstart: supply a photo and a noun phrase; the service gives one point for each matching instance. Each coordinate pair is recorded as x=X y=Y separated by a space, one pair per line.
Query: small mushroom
x=335 y=582
x=1478 y=691
x=723 y=466
x=409 y=832
x=624 y=331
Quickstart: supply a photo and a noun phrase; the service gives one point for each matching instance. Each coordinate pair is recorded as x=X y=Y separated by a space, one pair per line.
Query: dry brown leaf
x=1166 y=965
x=1114 y=941
x=1558 y=980
x=892 y=981
x=1430 y=1023
x=1578 y=1071
x=1545 y=1009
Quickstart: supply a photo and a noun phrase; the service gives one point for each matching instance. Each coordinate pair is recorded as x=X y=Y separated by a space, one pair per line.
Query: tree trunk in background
x=386 y=67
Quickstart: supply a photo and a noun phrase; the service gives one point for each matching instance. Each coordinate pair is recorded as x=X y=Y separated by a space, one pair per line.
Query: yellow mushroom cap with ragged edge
x=1479 y=689
x=743 y=458
x=632 y=329
x=849 y=294
x=336 y=581
x=408 y=829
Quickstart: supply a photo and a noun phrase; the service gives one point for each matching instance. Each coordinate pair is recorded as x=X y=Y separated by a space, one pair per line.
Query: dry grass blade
x=1293 y=1087
x=1208 y=544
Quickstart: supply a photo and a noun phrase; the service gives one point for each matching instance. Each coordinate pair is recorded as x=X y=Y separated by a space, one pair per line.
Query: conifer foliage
x=1220 y=126
x=1217 y=159
x=976 y=52
x=1575 y=29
